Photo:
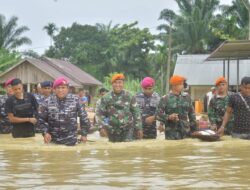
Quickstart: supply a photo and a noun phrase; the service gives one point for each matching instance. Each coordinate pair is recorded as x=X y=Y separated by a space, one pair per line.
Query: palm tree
x=51 y=29
x=239 y=10
x=106 y=28
x=191 y=31
x=11 y=35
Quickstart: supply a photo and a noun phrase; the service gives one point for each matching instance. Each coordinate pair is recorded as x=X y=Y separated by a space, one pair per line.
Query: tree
x=234 y=20
x=50 y=29
x=106 y=28
x=31 y=54
x=8 y=59
x=101 y=49
x=191 y=31
x=132 y=48
x=11 y=35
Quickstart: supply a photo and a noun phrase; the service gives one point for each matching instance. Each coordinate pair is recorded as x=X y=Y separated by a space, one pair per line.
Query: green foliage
x=232 y=24
x=11 y=35
x=31 y=54
x=132 y=85
x=101 y=49
x=51 y=29
x=198 y=27
x=8 y=59
x=191 y=31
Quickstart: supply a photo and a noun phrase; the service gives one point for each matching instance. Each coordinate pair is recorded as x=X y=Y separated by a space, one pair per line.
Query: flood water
x=147 y=164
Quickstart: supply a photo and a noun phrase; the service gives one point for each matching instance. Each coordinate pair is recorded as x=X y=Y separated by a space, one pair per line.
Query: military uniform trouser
x=69 y=139
x=121 y=135
x=149 y=132
x=38 y=129
x=175 y=134
x=245 y=136
x=5 y=129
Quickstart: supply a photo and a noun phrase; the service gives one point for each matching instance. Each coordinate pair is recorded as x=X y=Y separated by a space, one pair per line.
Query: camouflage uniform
x=119 y=115
x=216 y=110
x=40 y=100
x=181 y=105
x=5 y=125
x=59 y=118
x=148 y=105
x=98 y=103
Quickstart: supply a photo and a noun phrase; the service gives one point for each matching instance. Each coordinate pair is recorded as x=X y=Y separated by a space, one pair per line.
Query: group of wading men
x=121 y=116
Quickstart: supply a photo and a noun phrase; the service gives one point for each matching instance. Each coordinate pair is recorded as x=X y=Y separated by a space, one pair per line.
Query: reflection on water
x=151 y=164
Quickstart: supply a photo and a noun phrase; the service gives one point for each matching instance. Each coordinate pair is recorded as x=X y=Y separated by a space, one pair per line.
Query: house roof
x=57 y=68
x=232 y=50
x=198 y=71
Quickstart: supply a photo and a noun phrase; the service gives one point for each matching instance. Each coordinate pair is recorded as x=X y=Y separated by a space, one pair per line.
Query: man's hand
x=220 y=131
x=47 y=138
x=213 y=127
x=33 y=120
x=103 y=132
x=149 y=120
x=83 y=139
x=173 y=117
x=139 y=134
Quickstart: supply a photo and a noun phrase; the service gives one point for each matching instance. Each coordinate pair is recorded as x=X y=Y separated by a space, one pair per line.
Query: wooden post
x=228 y=71
x=28 y=87
x=224 y=68
x=169 y=57
x=238 y=73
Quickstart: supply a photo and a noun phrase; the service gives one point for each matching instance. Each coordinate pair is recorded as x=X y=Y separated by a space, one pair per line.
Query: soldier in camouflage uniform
x=58 y=116
x=218 y=106
x=38 y=94
x=102 y=92
x=46 y=91
x=118 y=113
x=5 y=125
x=176 y=111
x=148 y=102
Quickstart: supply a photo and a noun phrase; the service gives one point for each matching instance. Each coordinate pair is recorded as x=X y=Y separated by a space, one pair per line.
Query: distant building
x=202 y=74
x=32 y=71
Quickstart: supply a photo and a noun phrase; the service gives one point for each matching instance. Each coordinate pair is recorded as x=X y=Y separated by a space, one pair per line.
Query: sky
x=35 y=14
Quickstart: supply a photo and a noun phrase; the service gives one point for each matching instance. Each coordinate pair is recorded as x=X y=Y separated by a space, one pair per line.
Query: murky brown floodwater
x=158 y=164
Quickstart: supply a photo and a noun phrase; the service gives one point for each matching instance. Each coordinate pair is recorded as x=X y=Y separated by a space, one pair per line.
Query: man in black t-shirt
x=22 y=111
x=239 y=104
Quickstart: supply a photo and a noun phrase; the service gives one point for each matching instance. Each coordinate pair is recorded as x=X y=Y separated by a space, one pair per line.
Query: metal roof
x=57 y=68
x=231 y=50
x=198 y=71
x=72 y=71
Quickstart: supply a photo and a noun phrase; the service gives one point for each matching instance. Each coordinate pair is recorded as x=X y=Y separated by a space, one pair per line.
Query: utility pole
x=247 y=5
x=169 y=57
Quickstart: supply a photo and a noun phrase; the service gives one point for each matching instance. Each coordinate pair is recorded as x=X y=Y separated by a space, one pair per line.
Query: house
x=201 y=74
x=32 y=71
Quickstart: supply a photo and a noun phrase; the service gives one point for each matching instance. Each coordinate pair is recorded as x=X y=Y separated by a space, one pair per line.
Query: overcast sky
x=37 y=13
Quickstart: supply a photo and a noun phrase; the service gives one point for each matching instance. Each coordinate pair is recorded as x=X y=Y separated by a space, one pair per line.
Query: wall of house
x=28 y=73
x=198 y=92
x=31 y=76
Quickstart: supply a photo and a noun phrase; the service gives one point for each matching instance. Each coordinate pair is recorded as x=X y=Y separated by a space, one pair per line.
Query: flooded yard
x=148 y=164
